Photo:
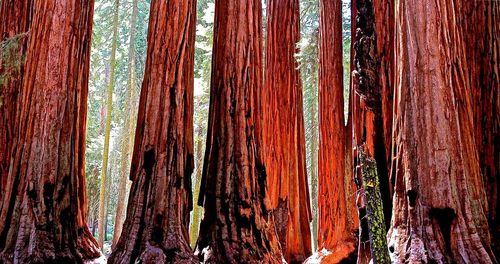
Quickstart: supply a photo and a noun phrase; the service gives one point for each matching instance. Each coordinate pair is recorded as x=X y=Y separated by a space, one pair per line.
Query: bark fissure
x=158 y=210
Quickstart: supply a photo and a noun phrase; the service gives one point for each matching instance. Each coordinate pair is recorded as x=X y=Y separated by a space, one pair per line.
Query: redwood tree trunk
x=336 y=226
x=439 y=202
x=157 y=223
x=482 y=31
x=384 y=28
x=44 y=214
x=237 y=226
x=15 y=21
x=283 y=131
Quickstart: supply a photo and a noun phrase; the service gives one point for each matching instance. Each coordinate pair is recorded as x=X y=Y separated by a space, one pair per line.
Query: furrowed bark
x=384 y=28
x=160 y=197
x=283 y=132
x=336 y=229
x=481 y=30
x=237 y=226
x=127 y=132
x=374 y=209
x=45 y=209
x=440 y=207
x=15 y=22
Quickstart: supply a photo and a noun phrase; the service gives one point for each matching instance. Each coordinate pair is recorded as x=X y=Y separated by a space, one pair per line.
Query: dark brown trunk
x=45 y=205
x=336 y=226
x=157 y=220
x=283 y=131
x=372 y=88
x=440 y=207
x=237 y=226
x=15 y=21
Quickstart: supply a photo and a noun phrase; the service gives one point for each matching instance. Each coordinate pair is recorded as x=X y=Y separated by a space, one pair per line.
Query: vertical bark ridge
x=158 y=210
x=435 y=142
x=481 y=20
x=283 y=131
x=336 y=230
x=237 y=226
x=15 y=22
x=46 y=177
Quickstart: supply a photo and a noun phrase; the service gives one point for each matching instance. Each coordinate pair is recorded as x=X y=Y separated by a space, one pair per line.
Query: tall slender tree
x=15 y=22
x=43 y=220
x=435 y=142
x=128 y=128
x=237 y=226
x=160 y=198
x=107 y=131
x=336 y=230
x=283 y=131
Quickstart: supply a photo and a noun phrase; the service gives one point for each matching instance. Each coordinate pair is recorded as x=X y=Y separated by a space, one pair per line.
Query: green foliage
x=202 y=69
x=99 y=77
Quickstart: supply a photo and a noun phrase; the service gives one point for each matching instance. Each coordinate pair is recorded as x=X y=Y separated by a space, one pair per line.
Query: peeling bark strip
x=439 y=213
x=237 y=226
x=43 y=217
x=374 y=209
x=283 y=131
x=336 y=227
x=156 y=227
x=15 y=21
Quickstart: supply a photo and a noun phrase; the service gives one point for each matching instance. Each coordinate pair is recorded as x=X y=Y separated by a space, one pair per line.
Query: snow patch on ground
x=317 y=256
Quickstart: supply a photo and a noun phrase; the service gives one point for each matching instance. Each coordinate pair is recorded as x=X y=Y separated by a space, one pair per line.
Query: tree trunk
x=46 y=183
x=283 y=132
x=314 y=173
x=237 y=226
x=197 y=210
x=337 y=230
x=374 y=209
x=373 y=85
x=15 y=21
x=482 y=27
x=126 y=133
x=384 y=28
x=109 y=109
x=439 y=202
x=160 y=198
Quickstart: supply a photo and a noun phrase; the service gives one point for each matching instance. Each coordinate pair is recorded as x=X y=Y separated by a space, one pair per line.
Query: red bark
x=43 y=217
x=439 y=202
x=157 y=223
x=15 y=21
x=482 y=31
x=283 y=131
x=384 y=28
x=237 y=226
x=336 y=226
